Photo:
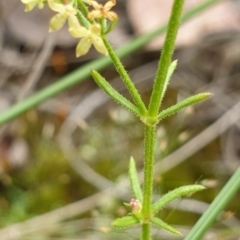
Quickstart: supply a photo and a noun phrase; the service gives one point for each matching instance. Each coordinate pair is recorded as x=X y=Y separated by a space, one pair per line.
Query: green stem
x=83 y=7
x=155 y=101
x=149 y=143
x=219 y=203
x=165 y=60
x=146 y=231
x=83 y=14
x=103 y=23
x=125 y=77
x=82 y=19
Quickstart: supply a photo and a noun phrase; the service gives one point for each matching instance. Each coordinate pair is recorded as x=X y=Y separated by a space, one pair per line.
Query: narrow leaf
x=125 y=222
x=170 y=72
x=112 y=93
x=185 y=103
x=133 y=176
x=176 y=193
x=111 y=26
x=161 y=224
x=127 y=205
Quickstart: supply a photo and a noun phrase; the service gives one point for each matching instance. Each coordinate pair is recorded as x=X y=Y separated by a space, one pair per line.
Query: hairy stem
x=149 y=137
x=146 y=231
x=165 y=60
x=125 y=77
x=155 y=101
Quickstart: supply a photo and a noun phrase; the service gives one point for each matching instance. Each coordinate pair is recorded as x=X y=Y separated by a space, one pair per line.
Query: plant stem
x=165 y=59
x=83 y=7
x=155 y=101
x=149 y=137
x=82 y=19
x=125 y=77
x=146 y=231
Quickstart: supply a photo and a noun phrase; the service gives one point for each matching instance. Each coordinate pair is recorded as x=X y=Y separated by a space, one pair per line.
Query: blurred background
x=63 y=164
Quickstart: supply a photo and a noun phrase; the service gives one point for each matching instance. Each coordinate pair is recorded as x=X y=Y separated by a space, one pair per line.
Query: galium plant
x=91 y=21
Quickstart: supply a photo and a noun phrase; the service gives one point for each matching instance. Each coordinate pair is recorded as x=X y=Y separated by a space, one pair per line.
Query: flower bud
x=136 y=206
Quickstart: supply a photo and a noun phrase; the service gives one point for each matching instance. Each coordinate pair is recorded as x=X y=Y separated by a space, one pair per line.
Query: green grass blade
x=219 y=203
x=184 y=103
x=113 y=93
x=135 y=185
x=176 y=193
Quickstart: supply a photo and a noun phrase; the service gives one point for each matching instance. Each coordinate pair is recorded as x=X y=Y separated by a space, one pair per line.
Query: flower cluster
x=68 y=11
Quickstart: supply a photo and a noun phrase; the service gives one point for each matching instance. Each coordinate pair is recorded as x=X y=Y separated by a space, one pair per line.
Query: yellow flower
x=103 y=11
x=65 y=12
x=88 y=37
x=30 y=4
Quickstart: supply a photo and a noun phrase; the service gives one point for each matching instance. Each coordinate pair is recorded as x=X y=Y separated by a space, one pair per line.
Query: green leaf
x=112 y=93
x=125 y=222
x=111 y=26
x=161 y=224
x=185 y=103
x=133 y=176
x=170 y=72
x=127 y=205
x=176 y=193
